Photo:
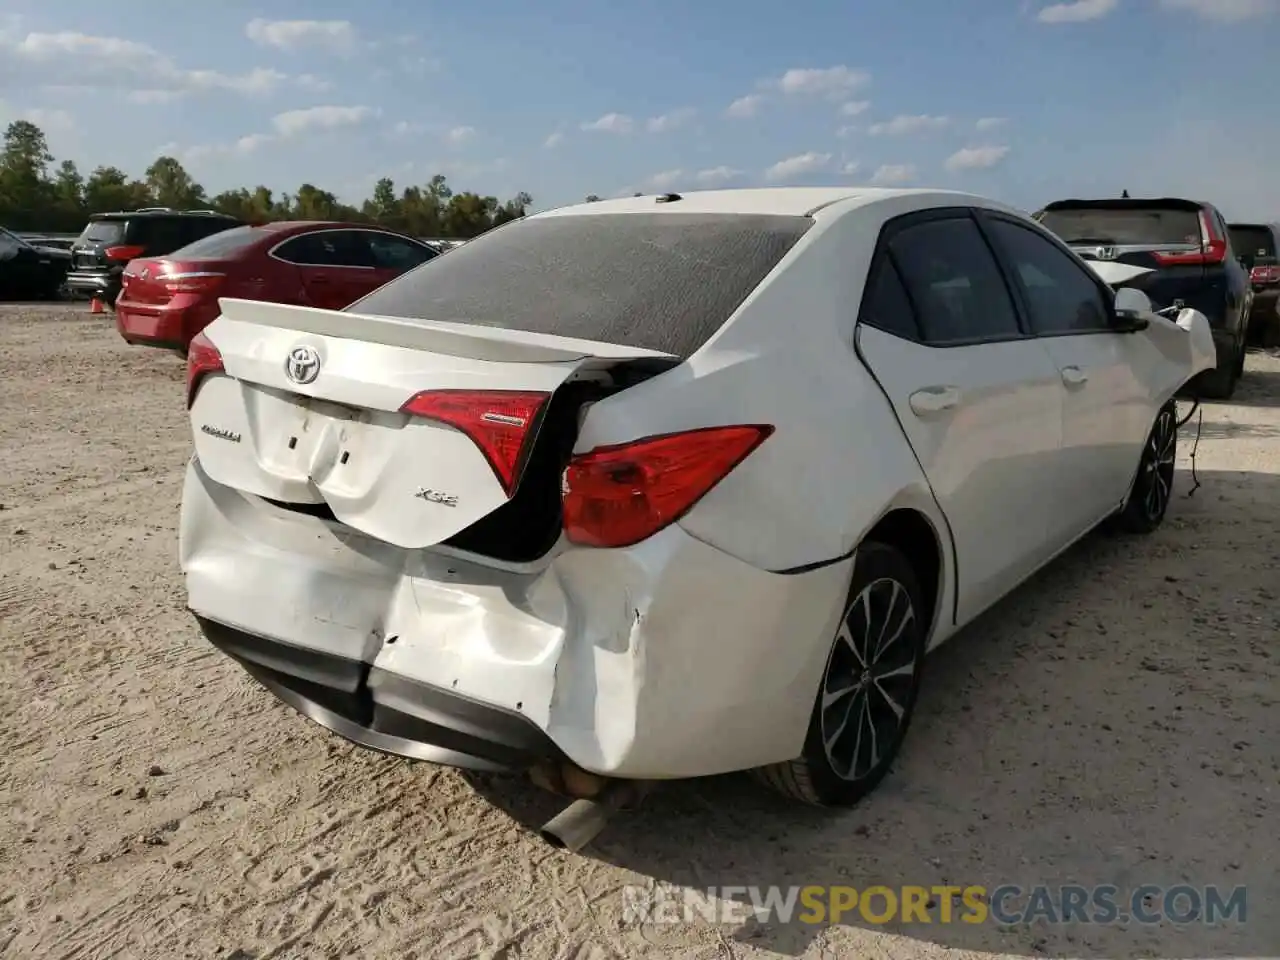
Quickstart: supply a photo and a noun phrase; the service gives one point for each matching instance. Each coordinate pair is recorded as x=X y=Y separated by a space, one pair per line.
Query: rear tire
x=1152 y=489
x=1220 y=382
x=1240 y=355
x=869 y=687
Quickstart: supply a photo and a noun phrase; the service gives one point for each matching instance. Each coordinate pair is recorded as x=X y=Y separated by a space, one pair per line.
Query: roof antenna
x=1124 y=195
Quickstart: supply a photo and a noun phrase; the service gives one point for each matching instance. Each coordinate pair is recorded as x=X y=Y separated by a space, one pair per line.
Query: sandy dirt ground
x=1116 y=721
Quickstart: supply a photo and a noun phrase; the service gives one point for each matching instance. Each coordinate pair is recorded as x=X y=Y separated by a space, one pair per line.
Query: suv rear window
x=104 y=231
x=219 y=246
x=1253 y=243
x=657 y=281
x=1124 y=225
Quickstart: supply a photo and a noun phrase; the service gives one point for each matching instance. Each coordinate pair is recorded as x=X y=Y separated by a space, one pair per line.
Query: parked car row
x=29 y=270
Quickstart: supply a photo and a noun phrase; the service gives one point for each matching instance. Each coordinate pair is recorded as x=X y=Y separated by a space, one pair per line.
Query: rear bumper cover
x=93 y=282
x=667 y=659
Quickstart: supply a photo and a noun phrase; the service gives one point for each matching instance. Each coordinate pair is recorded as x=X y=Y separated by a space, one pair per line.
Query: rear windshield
x=218 y=246
x=1255 y=244
x=104 y=231
x=657 y=281
x=1123 y=226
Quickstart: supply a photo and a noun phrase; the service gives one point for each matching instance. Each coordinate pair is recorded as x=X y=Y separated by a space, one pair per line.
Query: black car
x=111 y=240
x=30 y=272
x=1257 y=244
x=1187 y=246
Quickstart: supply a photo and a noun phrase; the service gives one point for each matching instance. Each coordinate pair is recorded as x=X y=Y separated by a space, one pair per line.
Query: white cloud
x=405 y=128
x=847 y=131
x=893 y=174
x=715 y=175
x=905 y=124
x=460 y=135
x=745 y=107
x=854 y=107
x=798 y=166
x=553 y=140
x=293 y=123
x=309 y=81
x=976 y=158
x=990 y=123
x=824 y=81
x=111 y=63
x=50 y=120
x=850 y=168
x=1224 y=11
x=1077 y=11
x=665 y=180
x=618 y=123
x=153 y=97
x=336 y=36
x=671 y=121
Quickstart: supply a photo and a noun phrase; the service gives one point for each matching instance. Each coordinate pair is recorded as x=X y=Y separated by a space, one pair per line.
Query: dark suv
x=111 y=240
x=1256 y=244
x=1187 y=246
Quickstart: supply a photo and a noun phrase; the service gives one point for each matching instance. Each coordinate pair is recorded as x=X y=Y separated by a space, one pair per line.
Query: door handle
x=934 y=400
x=1074 y=376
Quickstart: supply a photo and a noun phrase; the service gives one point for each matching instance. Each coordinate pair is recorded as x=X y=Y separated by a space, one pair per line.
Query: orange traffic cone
x=95 y=306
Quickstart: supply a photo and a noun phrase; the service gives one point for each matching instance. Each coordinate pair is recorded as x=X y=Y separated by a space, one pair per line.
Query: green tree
x=32 y=199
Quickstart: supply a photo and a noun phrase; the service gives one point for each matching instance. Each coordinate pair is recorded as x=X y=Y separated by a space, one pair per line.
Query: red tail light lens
x=203 y=359
x=124 y=252
x=620 y=495
x=1213 y=248
x=1264 y=274
x=499 y=422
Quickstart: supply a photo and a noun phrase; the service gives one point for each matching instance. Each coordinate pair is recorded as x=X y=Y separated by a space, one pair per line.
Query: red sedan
x=165 y=301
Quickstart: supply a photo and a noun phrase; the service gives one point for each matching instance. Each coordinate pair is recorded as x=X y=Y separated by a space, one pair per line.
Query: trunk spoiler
x=1114 y=274
x=471 y=341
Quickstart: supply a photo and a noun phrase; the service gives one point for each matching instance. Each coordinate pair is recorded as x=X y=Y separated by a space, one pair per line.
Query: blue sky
x=1025 y=101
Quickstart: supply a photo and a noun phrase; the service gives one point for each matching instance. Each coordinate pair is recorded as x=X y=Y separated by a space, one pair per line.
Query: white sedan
x=667 y=487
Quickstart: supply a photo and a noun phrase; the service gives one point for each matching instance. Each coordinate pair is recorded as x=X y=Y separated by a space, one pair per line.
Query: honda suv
x=1257 y=244
x=111 y=240
x=1186 y=250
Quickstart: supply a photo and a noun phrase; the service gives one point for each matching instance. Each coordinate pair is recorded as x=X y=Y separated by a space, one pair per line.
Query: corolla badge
x=302 y=365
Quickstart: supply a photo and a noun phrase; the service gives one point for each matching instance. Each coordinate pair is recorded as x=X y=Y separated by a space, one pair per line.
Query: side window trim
x=311 y=233
x=1014 y=281
x=892 y=227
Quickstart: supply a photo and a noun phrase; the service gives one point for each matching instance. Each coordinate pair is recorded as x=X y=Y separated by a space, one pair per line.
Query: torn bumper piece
x=385 y=712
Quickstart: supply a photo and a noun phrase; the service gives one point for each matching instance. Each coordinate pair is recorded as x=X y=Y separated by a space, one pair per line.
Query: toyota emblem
x=302 y=365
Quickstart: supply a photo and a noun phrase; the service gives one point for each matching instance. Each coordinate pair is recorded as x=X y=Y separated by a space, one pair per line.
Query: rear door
x=391 y=255
x=334 y=265
x=1107 y=408
x=1176 y=239
x=979 y=399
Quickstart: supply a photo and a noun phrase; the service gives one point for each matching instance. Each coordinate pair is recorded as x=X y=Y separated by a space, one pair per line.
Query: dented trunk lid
x=341 y=439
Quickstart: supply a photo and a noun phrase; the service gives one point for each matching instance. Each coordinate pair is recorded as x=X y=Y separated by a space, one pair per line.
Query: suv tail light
x=499 y=422
x=619 y=495
x=1213 y=248
x=124 y=252
x=1265 y=274
x=203 y=359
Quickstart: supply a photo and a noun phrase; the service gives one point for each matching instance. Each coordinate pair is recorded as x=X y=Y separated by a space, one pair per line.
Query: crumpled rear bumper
x=666 y=659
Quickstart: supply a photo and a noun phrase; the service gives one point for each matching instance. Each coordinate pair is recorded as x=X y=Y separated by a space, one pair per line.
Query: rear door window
x=327 y=248
x=1126 y=225
x=954 y=281
x=657 y=281
x=390 y=252
x=887 y=306
x=160 y=235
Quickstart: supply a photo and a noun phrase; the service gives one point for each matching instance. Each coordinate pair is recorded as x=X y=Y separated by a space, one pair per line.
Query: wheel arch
x=916 y=535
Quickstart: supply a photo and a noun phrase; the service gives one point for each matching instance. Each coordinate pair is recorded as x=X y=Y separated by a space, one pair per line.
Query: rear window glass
x=225 y=243
x=660 y=281
x=104 y=231
x=1253 y=243
x=1122 y=226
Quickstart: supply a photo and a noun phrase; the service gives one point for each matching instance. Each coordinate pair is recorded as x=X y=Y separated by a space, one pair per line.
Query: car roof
x=160 y=212
x=1273 y=227
x=776 y=201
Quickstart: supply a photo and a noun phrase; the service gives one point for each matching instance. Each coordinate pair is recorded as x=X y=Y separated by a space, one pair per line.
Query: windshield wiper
x=1107 y=240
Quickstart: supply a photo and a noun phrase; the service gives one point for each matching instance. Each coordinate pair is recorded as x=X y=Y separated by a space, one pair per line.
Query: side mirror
x=1132 y=310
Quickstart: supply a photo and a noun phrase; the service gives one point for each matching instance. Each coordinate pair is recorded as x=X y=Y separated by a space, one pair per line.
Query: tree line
x=37 y=196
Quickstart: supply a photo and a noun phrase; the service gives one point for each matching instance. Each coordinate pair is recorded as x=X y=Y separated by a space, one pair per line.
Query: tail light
x=203 y=359
x=125 y=252
x=616 y=496
x=1213 y=248
x=1265 y=274
x=499 y=422
x=195 y=281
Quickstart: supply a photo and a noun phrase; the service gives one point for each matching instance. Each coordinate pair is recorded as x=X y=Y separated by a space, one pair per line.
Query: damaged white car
x=667 y=486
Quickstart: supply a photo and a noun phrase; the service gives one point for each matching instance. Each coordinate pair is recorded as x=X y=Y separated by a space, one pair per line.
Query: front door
x=979 y=400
